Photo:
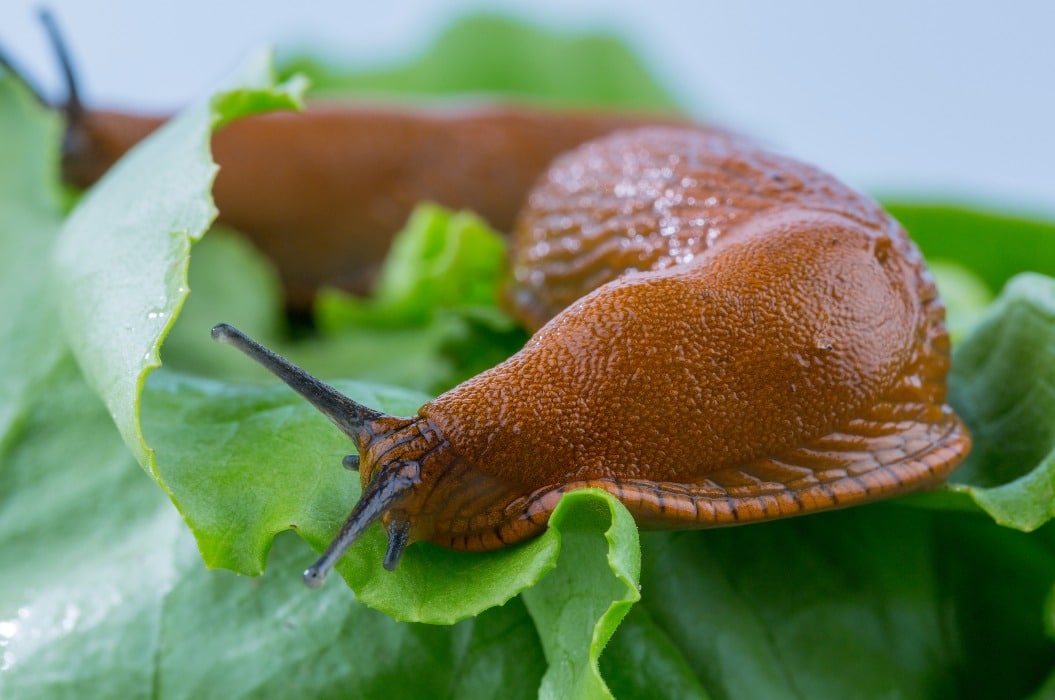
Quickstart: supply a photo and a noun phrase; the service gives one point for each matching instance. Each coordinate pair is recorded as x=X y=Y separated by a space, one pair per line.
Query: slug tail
x=378 y=498
x=351 y=417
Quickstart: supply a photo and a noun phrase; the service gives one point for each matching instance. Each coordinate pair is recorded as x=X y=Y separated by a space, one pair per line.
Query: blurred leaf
x=85 y=542
x=429 y=339
x=440 y=260
x=992 y=582
x=994 y=247
x=965 y=295
x=1003 y=386
x=288 y=642
x=29 y=207
x=642 y=661
x=499 y=56
x=440 y=282
x=878 y=601
x=233 y=282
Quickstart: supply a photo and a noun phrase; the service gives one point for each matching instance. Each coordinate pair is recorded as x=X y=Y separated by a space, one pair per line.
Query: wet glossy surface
x=782 y=353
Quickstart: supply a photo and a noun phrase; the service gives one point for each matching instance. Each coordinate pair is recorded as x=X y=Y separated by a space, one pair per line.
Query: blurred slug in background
x=322 y=192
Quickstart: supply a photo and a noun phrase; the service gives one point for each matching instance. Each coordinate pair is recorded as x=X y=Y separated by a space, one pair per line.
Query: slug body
x=724 y=336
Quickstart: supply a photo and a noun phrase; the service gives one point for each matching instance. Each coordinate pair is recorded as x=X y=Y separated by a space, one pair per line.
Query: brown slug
x=724 y=336
x=322 y=192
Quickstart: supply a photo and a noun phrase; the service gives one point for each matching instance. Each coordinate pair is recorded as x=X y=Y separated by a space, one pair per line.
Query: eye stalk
x=351 y=417
x=378 y=498
x=384 y=491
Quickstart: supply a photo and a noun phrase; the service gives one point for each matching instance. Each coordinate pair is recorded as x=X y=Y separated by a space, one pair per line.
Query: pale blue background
x=952 y=99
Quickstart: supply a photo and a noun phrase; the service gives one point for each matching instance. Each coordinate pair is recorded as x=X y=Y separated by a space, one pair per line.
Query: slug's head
x=388 y=460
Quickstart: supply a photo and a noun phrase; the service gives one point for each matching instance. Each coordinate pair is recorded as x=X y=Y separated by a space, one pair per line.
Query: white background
x=954 y=100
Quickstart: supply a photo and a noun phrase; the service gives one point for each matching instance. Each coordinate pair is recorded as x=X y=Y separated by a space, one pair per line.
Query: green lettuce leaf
x=439 y=281
x=1003 y=386
x=30 y=200
x=123 y=273
x=104 y=593
x=1000 y=382
x=578 y=606
x=879 y=601
x=115 y=306
x=965 y=295
x=441 y=260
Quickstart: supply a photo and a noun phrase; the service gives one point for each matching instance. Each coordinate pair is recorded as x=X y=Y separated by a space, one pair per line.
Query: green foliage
x=993 y=246
x=1004 y=387
x=500 y=57
x=104 y=592
x=1002 y=382
x=439 y=279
